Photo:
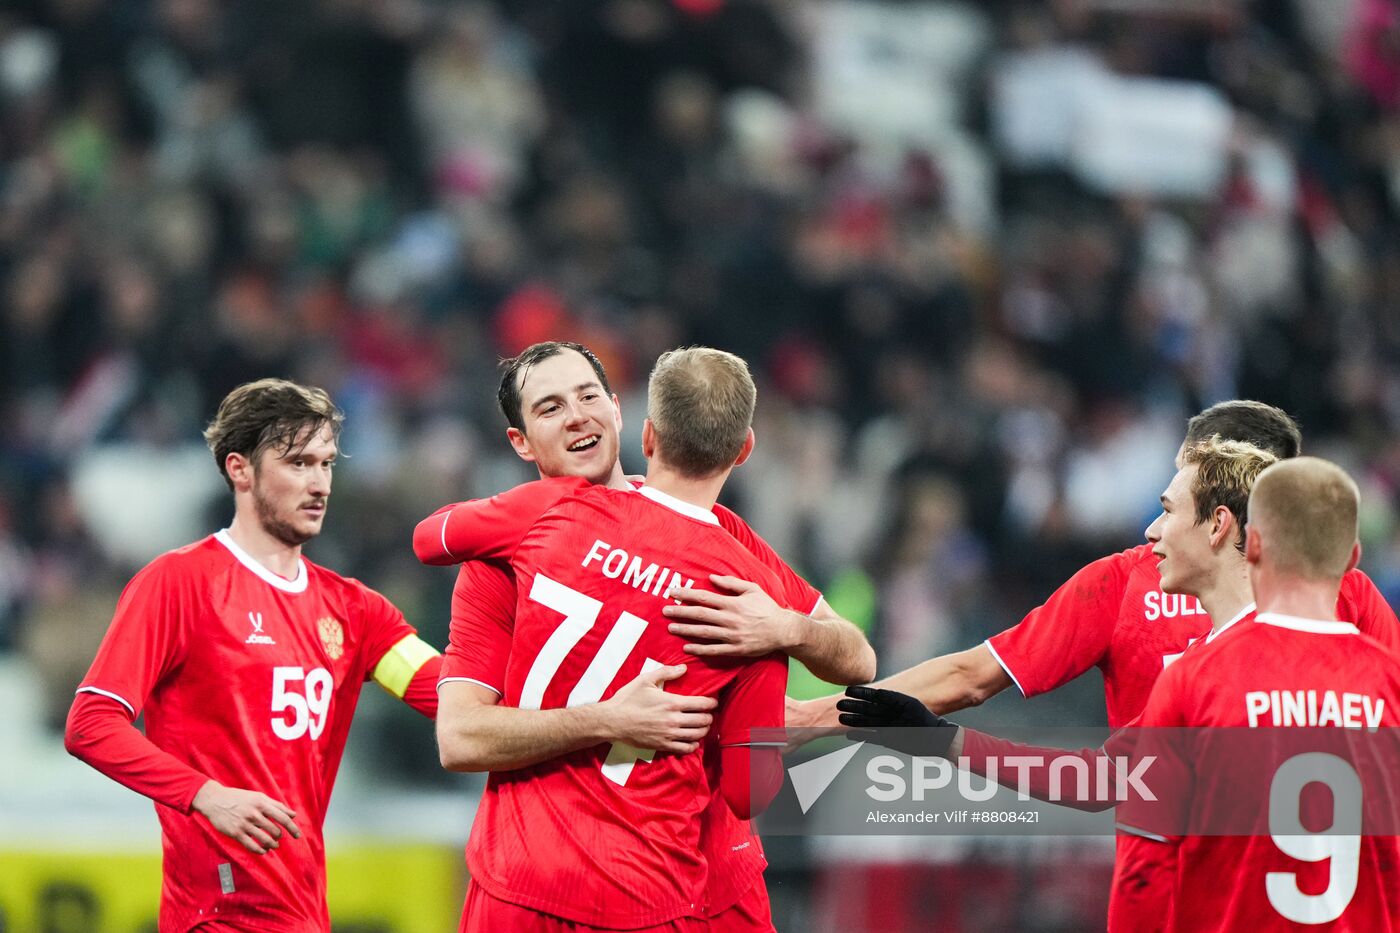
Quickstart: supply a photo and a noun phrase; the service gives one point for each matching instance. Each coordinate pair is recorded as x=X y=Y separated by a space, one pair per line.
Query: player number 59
x=305 y=697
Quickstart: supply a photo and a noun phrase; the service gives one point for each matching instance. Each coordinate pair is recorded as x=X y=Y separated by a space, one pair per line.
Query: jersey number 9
x=1340 y=844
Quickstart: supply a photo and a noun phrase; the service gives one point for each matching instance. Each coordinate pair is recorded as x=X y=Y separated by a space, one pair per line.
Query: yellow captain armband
x=395 y=670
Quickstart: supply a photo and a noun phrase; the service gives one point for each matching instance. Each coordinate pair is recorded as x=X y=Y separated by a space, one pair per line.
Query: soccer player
x=620 y=849
x=563 y=417
x=1199 y=541
x=1296 y=665
x=247 y=661
x=1113 y=614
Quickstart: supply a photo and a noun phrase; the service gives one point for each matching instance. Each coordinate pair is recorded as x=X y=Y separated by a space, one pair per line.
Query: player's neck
x=617 y=479
x=1227 y=597
x=1291 y=596
x=703 y=493
x=276 y=555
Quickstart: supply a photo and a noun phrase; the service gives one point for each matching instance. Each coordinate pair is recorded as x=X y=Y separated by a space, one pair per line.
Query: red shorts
x=750 y=914
x=485 y=913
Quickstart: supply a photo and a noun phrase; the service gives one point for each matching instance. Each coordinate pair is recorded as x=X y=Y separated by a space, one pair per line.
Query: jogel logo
x=258 y=638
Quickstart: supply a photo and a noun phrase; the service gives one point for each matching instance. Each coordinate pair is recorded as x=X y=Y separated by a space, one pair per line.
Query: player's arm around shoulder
x=486 y=529
x=738 y=619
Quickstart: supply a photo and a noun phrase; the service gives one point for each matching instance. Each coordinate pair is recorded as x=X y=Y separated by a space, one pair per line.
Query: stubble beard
x=280 y=529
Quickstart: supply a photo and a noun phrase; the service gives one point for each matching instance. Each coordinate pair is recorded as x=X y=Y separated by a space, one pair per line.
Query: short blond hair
x=1225 y=474
x=700 y=401
x=1305 y=511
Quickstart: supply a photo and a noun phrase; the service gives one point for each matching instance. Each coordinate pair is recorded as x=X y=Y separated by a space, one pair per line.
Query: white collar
x=1316 y=626
x=678 y=505
x=295 y=585
x=1210 y=636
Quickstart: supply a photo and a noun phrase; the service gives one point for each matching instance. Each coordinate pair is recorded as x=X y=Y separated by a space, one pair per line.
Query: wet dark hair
x=514 y=370
x=269 y=413
x=1264 y=426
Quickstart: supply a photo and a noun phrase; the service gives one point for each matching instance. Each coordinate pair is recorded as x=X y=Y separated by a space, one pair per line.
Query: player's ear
x=617 y=412
x=521 y=443
x=747 y=449
x=240 y=471
x=1222 y=527
x=1253 y=546
x=648 y=439
x=1355 y=557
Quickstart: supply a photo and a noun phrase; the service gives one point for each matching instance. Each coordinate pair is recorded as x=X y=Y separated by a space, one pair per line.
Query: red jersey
x=1114 y=616
x=483 y=615
x=251 y=680
x=607 y=836
x=1303 y=880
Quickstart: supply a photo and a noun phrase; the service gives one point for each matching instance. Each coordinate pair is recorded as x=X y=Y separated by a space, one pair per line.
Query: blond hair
x=269 y=413
x=1225 y=473
x=1305 y=510
x=700 y=401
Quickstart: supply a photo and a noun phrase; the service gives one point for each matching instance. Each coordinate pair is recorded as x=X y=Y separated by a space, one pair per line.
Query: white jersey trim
x=1134 y=831
x=1211 y=635
x=755 y=745
x=294 y=585
x=1315 y=626
x=469 y=680
x=109 y=695
x=1009 y=672
x=445 y=518
x=678 y=505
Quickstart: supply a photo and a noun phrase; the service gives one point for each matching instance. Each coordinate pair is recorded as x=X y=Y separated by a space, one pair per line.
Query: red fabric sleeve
x=100 y=732
x=797 y=593
x=1363 y=605
x=429 y=544
x=488 y=529
x=1144 y=878
x=749 y=778
x=1161 y=737
x=1070 y=633
x=422 y=689
x=483 y=623
x=146 y=640
x=980 y=748
x=752 y=700
x=384 y=628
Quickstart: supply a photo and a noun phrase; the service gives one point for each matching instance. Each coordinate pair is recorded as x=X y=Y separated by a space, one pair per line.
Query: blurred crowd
x=975 y=358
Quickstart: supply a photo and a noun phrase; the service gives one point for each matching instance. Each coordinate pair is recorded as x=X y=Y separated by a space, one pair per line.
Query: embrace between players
x=614 y=645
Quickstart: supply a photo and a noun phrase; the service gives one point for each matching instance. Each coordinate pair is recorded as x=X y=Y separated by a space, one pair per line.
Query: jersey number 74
x=581 y=613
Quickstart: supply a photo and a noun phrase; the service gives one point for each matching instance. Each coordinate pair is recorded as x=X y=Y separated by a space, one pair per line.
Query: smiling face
x=290 y=489
x=1180 y=540
x=571 y=424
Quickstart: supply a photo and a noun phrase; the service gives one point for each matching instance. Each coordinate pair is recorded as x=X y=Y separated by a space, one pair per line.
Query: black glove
x=916 y=730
